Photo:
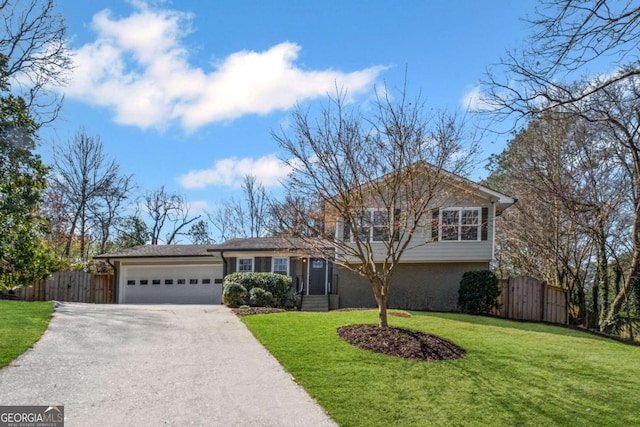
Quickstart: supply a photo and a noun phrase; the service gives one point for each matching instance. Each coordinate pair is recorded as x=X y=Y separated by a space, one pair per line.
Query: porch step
x=315 y=303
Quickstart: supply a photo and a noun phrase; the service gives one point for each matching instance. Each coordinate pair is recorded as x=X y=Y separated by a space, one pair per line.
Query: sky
x=186 y=94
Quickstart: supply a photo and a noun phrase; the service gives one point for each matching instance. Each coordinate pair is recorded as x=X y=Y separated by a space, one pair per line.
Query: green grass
x=21 y=325
x=514 y=374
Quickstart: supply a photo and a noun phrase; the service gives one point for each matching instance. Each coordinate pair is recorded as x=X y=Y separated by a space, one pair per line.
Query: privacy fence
x=76 y=286
x=525 y=298
x=522 y=298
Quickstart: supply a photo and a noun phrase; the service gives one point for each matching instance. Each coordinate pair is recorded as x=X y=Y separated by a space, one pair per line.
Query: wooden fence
x=76 y=286
x=525 y=298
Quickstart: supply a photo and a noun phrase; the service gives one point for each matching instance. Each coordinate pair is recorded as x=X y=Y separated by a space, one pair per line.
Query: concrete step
x=315 y=303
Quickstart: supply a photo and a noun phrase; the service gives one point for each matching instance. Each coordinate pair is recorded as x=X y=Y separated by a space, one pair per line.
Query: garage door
x=172 y=284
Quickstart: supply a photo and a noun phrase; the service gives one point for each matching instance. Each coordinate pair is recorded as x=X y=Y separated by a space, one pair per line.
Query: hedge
x=276 y=284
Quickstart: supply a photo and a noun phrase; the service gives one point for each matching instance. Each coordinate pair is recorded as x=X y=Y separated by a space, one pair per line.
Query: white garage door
x=175 y=284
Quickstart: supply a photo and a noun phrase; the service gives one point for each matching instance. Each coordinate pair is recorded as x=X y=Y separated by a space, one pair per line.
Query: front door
x=317 y=276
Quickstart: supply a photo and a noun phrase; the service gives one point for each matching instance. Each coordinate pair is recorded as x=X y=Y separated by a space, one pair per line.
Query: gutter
x=224 y=260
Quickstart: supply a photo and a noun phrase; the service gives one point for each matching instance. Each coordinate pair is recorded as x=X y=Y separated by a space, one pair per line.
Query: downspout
x=224 y=264
x=493 y=231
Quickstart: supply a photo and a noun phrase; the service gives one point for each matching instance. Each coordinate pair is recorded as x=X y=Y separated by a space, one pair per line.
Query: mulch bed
x=256 y=310
x=400 y=342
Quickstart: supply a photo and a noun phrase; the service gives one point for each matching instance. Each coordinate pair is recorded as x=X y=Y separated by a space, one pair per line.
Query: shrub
x=258 y=297
x=479 y=292
x=234 y=294
x=277 y=284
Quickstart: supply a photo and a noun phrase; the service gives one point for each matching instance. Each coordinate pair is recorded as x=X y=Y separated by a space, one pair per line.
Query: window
x=144 y=282
x=193 y=281
x=374 y=225
x=131 y=282
x=245 y=265
x=206 y=281
x=181 y=281
x=168 y=282
x=460 y=224
x=280 y=266
x=155 y=282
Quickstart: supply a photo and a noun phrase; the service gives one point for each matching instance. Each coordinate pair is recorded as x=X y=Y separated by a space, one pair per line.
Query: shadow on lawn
x=527 y=326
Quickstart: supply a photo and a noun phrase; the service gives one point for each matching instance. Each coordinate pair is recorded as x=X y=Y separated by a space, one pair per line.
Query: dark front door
x=317 y=276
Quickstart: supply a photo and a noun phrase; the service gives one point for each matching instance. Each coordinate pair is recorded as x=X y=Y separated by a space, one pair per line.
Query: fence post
x=543 y=301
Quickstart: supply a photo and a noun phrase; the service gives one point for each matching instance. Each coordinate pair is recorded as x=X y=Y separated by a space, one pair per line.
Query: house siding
x=424 y=248
x=414 y=286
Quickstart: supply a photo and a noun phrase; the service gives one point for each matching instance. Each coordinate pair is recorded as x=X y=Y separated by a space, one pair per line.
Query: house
x=459 y=237
x=193 y=274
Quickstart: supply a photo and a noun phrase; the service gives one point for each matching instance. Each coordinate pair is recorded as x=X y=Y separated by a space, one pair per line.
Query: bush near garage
x=234 y=294
x=479 y=292
x=258 y=297
x=277 y=284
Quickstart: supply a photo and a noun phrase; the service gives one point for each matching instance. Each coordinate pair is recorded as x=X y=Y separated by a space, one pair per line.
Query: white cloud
x=269 y=170
x=197 y=207
x=474 y=100
x=138 y=67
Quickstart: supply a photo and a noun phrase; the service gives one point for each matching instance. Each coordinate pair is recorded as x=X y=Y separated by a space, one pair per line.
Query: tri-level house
x=455 y=235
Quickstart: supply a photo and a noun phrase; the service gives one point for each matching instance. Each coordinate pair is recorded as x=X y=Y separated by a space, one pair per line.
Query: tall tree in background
x=571 y=205
x=394 y=160
x=132 y=231
x=247 y=217
x=33 y=41
x=23 y=256
x=199 y=233
x=569 y=36
x=92 y=190
x=169 y=214
x=295 y=216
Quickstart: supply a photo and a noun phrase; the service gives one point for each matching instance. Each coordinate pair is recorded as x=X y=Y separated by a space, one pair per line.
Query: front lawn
x=21 y=325
x=514 y=374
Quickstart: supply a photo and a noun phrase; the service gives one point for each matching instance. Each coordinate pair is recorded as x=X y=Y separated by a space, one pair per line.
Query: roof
x=152 y=251
x=264 y=244
x=239 y=245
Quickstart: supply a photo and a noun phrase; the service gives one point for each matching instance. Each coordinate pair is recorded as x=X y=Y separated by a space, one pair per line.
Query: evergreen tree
x=23 y=255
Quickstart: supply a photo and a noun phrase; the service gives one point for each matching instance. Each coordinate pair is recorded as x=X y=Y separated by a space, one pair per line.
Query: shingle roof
x=151 y=251
x=250 y=244
x=263 y=244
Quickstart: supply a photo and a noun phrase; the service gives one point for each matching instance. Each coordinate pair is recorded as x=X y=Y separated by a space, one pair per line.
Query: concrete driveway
x=151 y=365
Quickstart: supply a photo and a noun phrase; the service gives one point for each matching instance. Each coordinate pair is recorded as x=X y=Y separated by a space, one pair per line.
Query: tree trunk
x=382 y=311
x=622 y=296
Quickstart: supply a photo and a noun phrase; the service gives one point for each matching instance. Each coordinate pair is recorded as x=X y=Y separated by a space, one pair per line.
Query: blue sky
x=185 y=94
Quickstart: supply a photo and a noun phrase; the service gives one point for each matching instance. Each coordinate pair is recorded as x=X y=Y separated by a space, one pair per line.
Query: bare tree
x=568 y=36
x=295 y=216
x=257 y=205
x=34 y=42
x=169 y=213
x=394 y=161
x=91 y=188
x=247 y=217
x=572 y=207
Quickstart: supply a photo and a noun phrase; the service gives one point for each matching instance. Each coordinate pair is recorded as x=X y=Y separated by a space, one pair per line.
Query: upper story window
x=245 y=265
x=374 y=226
x=460 y=224
x=280 y=266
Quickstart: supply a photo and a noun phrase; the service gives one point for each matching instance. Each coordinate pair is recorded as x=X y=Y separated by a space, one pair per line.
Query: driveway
x=151 y=365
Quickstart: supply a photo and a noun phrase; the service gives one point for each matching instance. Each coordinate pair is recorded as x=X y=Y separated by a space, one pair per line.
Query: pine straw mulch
x=400 y=342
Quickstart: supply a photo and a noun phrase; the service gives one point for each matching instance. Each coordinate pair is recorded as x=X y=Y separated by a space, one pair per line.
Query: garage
x=171 y=284
x=166 y=274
